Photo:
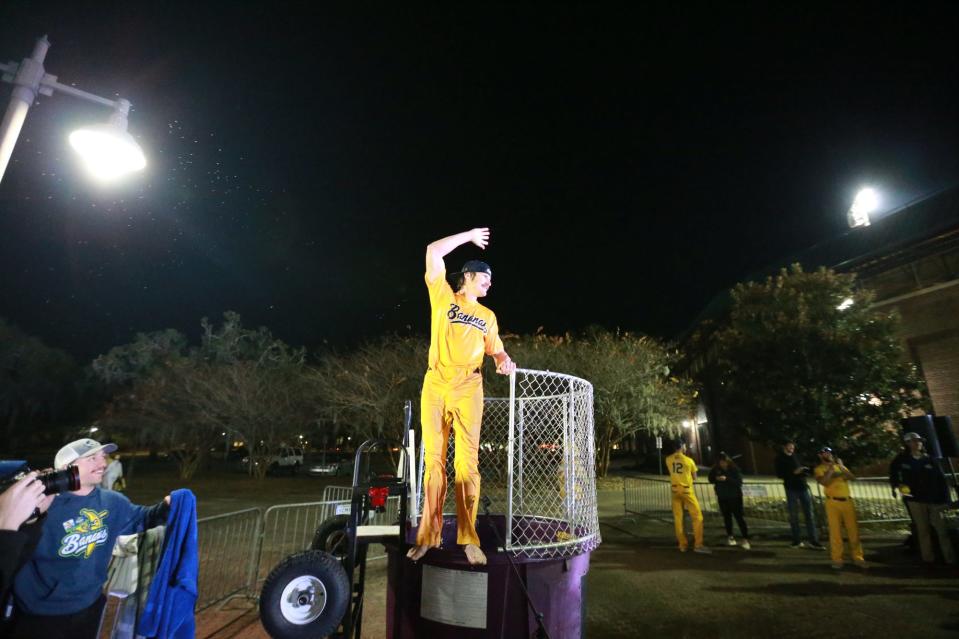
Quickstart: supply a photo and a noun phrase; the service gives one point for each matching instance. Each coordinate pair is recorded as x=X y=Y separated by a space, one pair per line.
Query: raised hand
x=480 y=237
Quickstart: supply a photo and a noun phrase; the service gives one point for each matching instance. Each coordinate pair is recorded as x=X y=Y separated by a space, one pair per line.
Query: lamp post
x=109 y=150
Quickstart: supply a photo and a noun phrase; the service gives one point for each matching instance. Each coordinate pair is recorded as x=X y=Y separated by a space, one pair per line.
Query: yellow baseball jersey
x=838 y=487
x=682 y=471
x=460 y=331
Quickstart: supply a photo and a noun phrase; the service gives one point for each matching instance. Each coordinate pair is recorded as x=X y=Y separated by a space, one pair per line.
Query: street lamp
x=108 y=150
x=866 y=202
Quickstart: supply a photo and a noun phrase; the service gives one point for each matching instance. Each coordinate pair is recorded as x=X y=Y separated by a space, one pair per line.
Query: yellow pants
x=451 y=398
x=842 y=513
x=687 y=499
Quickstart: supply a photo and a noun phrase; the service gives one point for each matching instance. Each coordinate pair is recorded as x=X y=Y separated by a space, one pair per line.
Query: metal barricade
x=228 y=555
x=875 y=503
x=289 y=528
x=764 y=502
x=337 y=493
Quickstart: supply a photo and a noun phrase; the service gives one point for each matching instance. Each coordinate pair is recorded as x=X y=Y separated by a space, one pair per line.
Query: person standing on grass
x=682 y=474
x=840 y=512
x=793 y=473
x=728 y=484
x=924 y=489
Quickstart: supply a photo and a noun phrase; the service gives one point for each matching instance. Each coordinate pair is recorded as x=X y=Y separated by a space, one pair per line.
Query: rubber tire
x=330 y=536
x=323 y=567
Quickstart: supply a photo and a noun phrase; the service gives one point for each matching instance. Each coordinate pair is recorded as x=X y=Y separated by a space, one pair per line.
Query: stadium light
x=866 y=202
x=108 y=149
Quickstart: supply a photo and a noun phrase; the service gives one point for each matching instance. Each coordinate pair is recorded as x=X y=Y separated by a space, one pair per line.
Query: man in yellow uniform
x=682 y=473
x=839 y=508
x=461 y=331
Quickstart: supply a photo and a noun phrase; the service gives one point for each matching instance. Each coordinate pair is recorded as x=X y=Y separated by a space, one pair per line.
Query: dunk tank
x=538 y=524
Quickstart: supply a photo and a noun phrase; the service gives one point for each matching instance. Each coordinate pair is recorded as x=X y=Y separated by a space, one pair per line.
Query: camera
x=54 y=481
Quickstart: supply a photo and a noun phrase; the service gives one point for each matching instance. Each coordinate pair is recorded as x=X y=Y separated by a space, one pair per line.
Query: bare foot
x=416 y=552
x=474 y=555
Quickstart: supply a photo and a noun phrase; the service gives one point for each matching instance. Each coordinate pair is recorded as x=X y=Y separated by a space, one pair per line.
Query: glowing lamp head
x=866 y=202
x=108 y=150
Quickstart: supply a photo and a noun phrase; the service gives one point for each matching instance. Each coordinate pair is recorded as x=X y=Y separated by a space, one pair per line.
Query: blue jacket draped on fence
x=169 y=608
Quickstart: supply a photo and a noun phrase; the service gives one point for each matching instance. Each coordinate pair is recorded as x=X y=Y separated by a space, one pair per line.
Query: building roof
x=924 y=226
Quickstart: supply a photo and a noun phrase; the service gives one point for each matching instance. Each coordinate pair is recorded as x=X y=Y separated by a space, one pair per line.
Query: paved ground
x=639 y=580
x=640 y=585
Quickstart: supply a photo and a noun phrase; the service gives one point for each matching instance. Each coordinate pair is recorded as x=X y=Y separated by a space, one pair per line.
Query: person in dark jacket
x=923 y=486
x=895 y=468
x=22 y=508
x=793 y=474
x=728 y=483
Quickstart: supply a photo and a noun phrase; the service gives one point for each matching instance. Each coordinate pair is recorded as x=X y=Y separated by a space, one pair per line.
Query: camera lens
x=60 y=481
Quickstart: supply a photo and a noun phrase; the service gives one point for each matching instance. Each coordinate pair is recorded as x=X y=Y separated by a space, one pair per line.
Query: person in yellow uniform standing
x=462 y=331
x=840 y=512
x=682 y=473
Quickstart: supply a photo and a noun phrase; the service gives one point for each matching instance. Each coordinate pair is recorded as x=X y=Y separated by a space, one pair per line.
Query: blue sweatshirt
x=69 y=567
x=168 y=613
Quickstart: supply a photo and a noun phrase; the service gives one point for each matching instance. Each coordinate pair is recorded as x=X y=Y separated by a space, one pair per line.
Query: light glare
x=866 y=202
x=107 y=151
x=846 y=303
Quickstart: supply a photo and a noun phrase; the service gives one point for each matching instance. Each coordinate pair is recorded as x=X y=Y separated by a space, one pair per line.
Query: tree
x=363 y=391
x=38 y=384
x=634 y=389
x=804 y=357
x=138 y=379
x=632 y=384
x=239 y=380
x=135 y=361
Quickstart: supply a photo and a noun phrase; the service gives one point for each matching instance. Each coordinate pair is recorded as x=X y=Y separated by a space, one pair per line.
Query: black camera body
x=54 y=481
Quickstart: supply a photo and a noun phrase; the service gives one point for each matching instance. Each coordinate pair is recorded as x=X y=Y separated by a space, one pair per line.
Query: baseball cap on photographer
x=80 y=448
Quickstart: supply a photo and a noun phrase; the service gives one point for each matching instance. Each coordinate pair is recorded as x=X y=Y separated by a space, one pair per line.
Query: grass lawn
x=222 y=489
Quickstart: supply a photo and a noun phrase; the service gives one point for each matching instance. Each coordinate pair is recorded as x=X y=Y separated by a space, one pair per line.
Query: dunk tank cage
x=540 y=524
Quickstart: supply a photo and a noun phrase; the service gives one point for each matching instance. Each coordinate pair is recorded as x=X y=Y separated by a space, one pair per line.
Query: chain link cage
x=537 y=465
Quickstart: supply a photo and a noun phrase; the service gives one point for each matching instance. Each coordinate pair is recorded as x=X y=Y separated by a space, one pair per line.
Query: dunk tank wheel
x=305 y=596
x=331 y=536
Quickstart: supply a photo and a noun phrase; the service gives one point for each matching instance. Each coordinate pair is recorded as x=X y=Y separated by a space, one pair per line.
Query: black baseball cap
x=825 y=449
x=477 y=266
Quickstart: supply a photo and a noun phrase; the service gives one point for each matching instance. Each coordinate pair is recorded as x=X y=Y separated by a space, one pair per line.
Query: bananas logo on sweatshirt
x=84 y=533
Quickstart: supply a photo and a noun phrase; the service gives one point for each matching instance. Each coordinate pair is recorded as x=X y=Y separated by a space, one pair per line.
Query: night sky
x=630 y=164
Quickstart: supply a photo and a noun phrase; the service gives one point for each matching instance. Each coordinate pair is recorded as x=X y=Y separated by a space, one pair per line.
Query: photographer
x=19 y=503
x=59 y=591
x=793 y=474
